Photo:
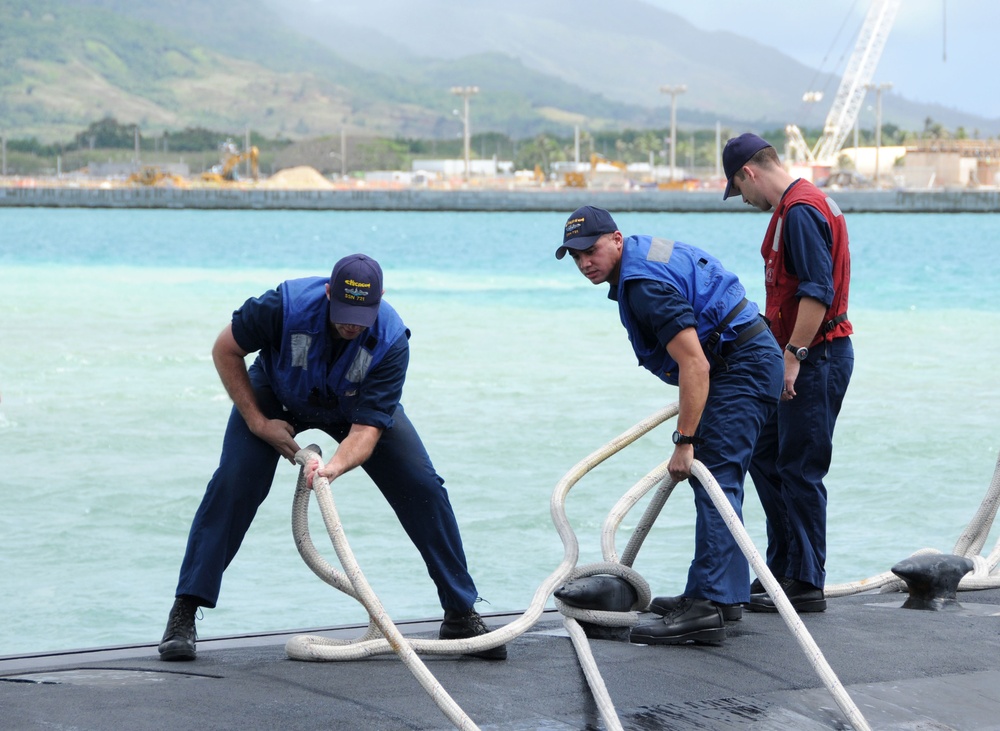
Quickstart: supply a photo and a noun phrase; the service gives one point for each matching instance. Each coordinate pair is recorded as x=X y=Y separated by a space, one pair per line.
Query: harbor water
x=111 y=413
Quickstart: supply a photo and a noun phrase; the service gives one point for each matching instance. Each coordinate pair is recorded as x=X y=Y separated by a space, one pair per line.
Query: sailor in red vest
x=807 y=275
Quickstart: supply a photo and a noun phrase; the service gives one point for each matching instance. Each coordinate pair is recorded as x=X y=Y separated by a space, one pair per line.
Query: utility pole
x=718 y=149
x=246 y=148
x=465 y=92
x=673 y=91
x=878 y=89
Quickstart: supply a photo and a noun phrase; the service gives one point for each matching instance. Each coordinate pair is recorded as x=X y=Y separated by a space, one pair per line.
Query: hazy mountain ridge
x=299 y=68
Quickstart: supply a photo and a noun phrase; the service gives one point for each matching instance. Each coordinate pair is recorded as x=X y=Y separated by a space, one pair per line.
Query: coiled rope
x=382 y=636
x=661 y=477
x=355 y=584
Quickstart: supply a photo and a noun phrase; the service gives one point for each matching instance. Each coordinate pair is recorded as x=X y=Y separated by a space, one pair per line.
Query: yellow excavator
x=581 y=179
x=226 y=171
x=152 y=175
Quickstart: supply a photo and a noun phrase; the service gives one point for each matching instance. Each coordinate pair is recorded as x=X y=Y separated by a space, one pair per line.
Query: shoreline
x=486 y=200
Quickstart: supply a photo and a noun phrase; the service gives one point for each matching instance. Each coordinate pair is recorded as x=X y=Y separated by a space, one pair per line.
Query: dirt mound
x=297 y=178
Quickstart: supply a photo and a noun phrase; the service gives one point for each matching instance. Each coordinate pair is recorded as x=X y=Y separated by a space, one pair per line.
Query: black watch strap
x=683 y=439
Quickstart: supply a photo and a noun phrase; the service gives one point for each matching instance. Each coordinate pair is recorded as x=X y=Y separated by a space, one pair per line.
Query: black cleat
x=180 y=635
x=462 y=626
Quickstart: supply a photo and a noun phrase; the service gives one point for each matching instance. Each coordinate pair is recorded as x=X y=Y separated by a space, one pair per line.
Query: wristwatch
x=682 y=439
x=799 y=353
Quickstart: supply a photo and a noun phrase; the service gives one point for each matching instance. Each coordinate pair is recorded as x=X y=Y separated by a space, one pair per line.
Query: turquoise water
x=111 y=415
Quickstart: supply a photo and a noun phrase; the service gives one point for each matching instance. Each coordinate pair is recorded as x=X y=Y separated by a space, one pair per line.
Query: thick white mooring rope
x=785 y=608
x=382 y=636
x=323 y=649
x=985 y=573
x=660 y=477
x=362 y=591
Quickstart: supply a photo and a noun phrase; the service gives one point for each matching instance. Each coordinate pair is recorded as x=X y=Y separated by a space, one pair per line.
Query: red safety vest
x=781 y=304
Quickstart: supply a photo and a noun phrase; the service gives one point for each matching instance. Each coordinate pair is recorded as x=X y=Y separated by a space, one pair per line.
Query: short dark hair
x=765 y=157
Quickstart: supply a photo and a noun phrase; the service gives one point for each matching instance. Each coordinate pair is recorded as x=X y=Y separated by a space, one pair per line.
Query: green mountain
x=228 y=65
x=64 y=64
x=303 y=69
x=621 y=50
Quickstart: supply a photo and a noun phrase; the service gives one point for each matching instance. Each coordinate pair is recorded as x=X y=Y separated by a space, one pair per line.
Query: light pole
x=465 y=92
x=799 y=147
x=673 y=91
x=878 y=89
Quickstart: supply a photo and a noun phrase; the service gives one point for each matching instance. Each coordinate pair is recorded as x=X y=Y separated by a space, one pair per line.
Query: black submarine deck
x=904 y=669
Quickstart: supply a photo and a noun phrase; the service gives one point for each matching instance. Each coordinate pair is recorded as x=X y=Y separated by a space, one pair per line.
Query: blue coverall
x=744 y=387
x=399 y=466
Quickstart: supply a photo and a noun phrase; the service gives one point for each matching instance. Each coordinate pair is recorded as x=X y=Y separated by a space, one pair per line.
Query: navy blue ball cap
x=585 y=226
x=355 y=291
x=737 y=153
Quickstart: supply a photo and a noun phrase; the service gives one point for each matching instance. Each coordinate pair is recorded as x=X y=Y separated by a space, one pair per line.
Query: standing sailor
x=807 y=275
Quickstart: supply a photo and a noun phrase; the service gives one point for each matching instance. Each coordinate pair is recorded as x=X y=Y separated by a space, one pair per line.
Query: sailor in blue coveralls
x=332 y=356
x=691 y=325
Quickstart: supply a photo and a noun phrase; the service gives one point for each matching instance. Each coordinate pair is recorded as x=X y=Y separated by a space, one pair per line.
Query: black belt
x=744 y=335
x=713 y=337
x=830 y=324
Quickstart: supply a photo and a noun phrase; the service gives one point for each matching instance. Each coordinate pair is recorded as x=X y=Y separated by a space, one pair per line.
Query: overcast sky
x=943 y=51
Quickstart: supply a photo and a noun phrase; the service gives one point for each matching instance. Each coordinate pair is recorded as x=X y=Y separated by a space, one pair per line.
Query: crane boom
x=853 y=86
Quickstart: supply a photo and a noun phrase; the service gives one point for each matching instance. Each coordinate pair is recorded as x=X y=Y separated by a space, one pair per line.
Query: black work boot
x=664 y=605
x=178 y=638
x=804 y=597
x=462 y=626
x=692 y=620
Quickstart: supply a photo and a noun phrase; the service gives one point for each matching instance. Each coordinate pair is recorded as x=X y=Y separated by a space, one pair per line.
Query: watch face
x=799 y=353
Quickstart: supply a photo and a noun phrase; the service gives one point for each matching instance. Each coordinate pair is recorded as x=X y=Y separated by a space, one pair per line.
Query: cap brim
x=342 y=313
x=579 y=244
x=729 y=189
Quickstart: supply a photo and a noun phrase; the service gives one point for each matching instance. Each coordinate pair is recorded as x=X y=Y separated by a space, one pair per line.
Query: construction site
x=834 y=160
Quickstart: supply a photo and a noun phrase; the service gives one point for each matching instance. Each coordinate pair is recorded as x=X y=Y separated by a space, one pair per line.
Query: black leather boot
x=461 y=626
x=180 y=635
x=692 y=620
x=664 y=605
x=803 y=597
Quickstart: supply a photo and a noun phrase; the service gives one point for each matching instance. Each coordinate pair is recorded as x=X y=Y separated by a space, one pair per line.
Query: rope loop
x=603 y=617
x=382 y=636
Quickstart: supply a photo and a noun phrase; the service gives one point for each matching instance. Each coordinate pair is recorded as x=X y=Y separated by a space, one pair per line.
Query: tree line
x=696 y=148
x=110 y=134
